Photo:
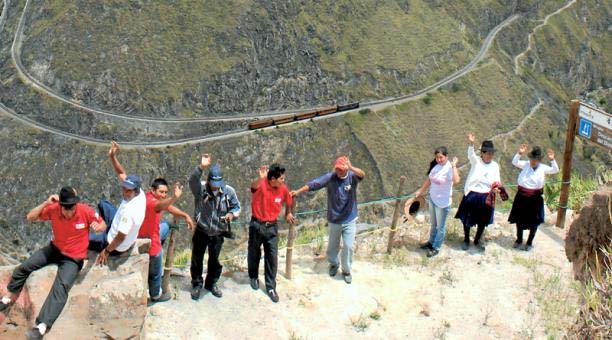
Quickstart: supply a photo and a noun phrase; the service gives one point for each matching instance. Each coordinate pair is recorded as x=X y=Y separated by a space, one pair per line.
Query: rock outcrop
x=589 y=233
x=104 y=303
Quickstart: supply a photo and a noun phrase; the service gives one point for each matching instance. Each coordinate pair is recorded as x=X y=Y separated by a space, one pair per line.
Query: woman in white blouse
x=482 y=180
x=441 y=176
x=528 y=206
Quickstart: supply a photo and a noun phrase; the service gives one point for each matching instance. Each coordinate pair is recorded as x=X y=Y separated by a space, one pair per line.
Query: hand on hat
x=113 y=149
x=523 y=149
x=551 y=154
x=52 y=199
x=206 y=161
x=263 y=172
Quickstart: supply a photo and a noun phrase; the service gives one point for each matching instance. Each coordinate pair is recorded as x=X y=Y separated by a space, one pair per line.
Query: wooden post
x=169 y=258
x=289 y=259
x=572 y=123
x=396 y=214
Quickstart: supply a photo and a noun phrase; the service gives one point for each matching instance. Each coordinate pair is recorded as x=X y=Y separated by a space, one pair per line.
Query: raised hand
x=551 y=154
x=178 y=189
x=523 y=149
x=206 y=160
x=263 y=172
x=113 y=149
x=471 y=138
x=455 y=161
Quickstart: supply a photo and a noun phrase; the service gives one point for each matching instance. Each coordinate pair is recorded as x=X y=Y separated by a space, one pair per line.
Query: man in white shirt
x=126 y=223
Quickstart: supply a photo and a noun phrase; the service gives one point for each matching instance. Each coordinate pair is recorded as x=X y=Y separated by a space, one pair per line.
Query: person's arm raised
x=112 y=154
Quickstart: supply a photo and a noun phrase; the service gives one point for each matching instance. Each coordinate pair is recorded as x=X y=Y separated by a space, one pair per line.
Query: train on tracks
x=275 y=121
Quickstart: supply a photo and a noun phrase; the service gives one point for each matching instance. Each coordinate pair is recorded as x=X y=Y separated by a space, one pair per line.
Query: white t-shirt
x=482 y=175
x=441 y=187
x=128 y=220
x=533 y=179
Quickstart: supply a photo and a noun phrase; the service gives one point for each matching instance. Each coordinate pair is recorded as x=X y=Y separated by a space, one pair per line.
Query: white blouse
x=530 y=178
x=482 y=175
x=441 y=188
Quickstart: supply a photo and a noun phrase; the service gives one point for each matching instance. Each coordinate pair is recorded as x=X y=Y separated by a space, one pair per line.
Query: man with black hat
x=216 y=205
x=129 y=216
x=528 y=206
x=71 y=222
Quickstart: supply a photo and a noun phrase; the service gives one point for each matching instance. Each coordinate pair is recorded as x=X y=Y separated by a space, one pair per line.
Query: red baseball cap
x=341 y=163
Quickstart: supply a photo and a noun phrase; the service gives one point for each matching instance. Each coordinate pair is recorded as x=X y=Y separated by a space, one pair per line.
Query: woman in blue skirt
x=476 y=208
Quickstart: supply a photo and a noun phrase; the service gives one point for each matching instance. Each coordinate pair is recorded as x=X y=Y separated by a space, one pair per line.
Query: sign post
x=595 y=126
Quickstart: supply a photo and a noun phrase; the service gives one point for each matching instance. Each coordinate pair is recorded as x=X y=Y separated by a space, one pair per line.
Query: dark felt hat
x=68 y=196
x=487 y=146
x=536 y=153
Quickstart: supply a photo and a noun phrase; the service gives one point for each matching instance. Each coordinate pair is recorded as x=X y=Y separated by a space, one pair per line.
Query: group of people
x=113 y=231
x=482 y=185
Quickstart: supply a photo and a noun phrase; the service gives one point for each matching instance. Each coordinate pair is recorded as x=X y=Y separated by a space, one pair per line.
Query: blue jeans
x=347 y=231
x=437 y=216
x=164 y=230
x=156 y=270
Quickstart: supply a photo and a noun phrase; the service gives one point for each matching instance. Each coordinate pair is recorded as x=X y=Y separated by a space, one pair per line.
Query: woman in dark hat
x=483 y=179
x=528 y=206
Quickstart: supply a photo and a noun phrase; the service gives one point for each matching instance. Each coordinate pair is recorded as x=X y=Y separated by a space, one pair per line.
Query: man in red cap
x=71 y=222
x=341 y=185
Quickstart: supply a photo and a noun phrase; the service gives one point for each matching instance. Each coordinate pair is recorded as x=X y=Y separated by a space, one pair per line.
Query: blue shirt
x=341 y=195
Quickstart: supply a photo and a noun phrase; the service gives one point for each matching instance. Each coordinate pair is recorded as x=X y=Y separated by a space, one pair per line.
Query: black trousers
x=67 y=272
x=266 y=234
x=199 y=242
x=519 y=234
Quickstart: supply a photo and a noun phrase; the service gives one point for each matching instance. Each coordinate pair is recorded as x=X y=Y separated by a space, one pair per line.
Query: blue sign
x=585 y=128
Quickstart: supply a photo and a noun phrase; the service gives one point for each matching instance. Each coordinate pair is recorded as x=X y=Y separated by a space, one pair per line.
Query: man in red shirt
x=71 y=222
x=157 y=202
x=269 y=193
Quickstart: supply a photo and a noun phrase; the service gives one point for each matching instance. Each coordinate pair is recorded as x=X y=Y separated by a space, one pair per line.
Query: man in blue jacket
x=341 y=184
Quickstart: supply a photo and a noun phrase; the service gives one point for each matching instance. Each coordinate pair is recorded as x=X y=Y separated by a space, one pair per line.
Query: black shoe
x=195 y=292
x=432 y=252
x=165 y=297
x=333 y=270
x=426 y=246
x=255 y=284
x=4 y=306
x=33 y=334
x=465 y=245
x=480 y=246
x=527 y=247
x=347 y=278
x=273 y=296
x=216 y=291
x=516 y=244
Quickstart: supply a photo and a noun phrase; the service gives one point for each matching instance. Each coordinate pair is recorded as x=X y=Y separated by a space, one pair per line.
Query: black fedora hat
x=68 y=196
x=536 y=153
x=487 y=146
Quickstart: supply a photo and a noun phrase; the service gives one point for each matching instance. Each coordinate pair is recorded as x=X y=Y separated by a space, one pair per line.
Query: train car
x=327 y=111
x=347 y=107
x=306 y=115
x=284 y=119
x=261 y=123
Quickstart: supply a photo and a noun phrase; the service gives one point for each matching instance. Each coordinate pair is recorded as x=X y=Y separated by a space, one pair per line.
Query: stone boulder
x=589 y=232
x=107 y=302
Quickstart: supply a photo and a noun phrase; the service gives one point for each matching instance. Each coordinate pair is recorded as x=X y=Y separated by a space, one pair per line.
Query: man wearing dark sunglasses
x=71 y=222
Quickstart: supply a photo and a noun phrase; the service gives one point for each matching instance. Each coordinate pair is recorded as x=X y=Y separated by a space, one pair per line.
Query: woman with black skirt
x=528 y=206
x=484 y=179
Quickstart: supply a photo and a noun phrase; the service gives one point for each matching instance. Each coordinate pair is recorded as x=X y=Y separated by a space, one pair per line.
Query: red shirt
x=71 y=236
x=267 y=201
x=150 y=225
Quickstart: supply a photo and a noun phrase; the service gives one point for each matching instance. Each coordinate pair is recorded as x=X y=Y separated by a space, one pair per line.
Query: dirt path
x=458 y=295
x=530 y=41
